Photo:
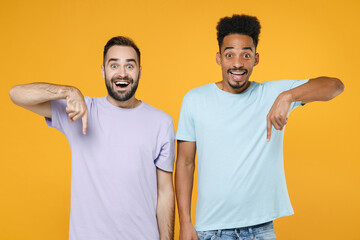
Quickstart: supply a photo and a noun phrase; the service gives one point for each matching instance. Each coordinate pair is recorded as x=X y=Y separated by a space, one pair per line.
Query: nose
x=238 y=62
x=122 y=72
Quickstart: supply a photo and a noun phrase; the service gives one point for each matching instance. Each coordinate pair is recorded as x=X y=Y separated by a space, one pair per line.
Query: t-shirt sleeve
x=297 y=83
x=186 y=127
x=284 y=85
x=59 y=117
x=166 y=157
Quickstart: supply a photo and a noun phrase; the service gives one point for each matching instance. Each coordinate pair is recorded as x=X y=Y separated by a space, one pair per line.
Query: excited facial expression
x=121 y=71
x=237 y=58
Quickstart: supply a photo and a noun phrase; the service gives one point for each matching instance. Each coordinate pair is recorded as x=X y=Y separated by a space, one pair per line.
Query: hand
x=278 y=114
x=76 y=108
x=188 y=232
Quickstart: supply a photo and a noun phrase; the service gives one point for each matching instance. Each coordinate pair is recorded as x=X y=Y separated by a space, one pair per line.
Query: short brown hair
x=120 y=41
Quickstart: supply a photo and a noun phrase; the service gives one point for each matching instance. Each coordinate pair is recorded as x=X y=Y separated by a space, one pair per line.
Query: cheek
x=107 y=73
x=250 y=64
x=225 y=65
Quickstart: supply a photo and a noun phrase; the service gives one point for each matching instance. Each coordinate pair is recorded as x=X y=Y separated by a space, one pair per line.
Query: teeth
x=121 y=83
x=238 y=73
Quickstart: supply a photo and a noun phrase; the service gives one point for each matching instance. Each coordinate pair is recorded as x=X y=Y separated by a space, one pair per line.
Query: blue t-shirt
x=241 y=180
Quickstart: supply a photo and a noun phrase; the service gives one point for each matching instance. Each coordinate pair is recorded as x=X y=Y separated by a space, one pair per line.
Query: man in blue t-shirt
x=236 y=128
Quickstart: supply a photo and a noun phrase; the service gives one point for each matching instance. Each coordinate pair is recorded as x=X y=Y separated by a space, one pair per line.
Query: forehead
x=237 y=41
x=122 y=53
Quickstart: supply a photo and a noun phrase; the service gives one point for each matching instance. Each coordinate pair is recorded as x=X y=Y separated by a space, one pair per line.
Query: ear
x=102 y=71
x=218 y=58
x=257 y=58
x=140 y=71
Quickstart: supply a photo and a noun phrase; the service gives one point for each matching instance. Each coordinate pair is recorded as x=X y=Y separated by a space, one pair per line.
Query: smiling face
x=121 y=71
x=237 y=58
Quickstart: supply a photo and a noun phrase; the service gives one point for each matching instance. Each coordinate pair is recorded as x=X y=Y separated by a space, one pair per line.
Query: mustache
x=237 y=69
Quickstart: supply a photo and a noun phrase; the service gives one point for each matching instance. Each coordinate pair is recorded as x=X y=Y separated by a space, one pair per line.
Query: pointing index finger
x=84 y=120
x=268 y=129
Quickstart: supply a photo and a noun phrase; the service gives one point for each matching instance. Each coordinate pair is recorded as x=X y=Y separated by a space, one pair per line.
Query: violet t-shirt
x=113 y=179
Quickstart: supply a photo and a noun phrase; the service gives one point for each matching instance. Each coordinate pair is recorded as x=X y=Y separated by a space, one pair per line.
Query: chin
x=238 y=86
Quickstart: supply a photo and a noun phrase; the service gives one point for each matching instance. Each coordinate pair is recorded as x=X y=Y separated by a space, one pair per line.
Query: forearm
x=36 y=97
x=165 y=214
x=317 y=89
x=184 y=185
x=38 y=93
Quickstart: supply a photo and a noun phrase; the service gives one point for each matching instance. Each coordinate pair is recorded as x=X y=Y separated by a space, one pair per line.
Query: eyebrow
x=247 y=48
x=117 y=59
x=244 y=48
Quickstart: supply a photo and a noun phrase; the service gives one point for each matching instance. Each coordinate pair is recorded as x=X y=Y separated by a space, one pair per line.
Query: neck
x=223 y=85
x=131 y=103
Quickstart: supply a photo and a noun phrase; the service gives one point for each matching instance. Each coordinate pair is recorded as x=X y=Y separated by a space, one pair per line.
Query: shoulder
x=93 y=100
x=199 y=92
x=89 y=100
x=155 y=113
x=283 y=84
x=92 y=103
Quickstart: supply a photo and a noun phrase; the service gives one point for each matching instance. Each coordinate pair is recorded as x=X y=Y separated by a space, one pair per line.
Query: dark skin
x=237 y=58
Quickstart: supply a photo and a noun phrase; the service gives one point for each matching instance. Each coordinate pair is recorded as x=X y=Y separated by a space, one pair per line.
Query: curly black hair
x=238 y=24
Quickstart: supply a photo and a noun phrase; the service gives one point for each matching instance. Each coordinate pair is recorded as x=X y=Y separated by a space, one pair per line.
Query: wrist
x=68 y=92
x=288 y=96
x=185 y=221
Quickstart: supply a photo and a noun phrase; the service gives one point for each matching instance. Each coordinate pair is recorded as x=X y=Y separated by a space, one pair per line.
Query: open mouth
x=236 y=74
x=122 y=84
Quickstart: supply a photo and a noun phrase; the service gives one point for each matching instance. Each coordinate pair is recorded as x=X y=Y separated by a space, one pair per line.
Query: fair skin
x=165 y=211
x=120 y=62
x=237 y=58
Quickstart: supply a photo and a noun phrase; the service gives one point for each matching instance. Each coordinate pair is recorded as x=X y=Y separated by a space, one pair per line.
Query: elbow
x=339 y=85
x=13 y=93
x=166 y=193
x=330 y=88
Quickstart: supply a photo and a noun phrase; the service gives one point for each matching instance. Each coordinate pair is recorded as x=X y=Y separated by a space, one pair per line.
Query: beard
x=121 y=96
x=237 y=86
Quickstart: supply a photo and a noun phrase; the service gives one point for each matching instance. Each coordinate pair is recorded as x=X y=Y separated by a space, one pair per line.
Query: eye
x=129 y=66
x=246 y=55
x=113 y=66
x=229 y=55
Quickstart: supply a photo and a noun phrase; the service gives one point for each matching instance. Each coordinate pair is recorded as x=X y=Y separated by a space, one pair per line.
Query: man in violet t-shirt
x=122 y=151
x=235 y=126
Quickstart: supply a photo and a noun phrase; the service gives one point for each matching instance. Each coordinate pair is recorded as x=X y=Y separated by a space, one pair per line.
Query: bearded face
x=121 y=71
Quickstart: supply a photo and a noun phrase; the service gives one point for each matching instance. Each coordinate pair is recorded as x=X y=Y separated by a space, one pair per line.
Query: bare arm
x=316 y=89
x=36 y=97
x=165 y=205
x=184 y=175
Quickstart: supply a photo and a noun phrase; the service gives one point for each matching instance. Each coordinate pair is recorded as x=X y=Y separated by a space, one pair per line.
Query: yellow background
x=62 y=42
